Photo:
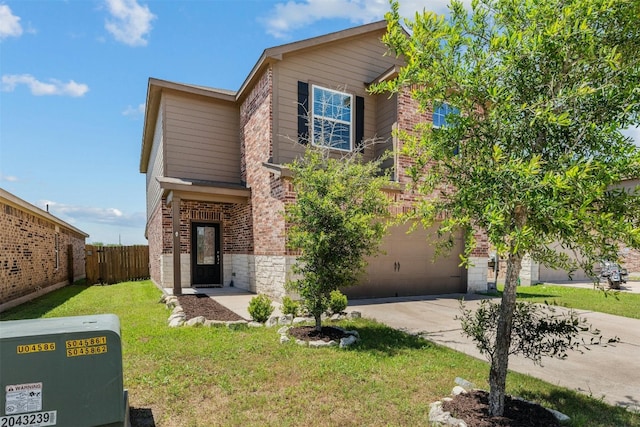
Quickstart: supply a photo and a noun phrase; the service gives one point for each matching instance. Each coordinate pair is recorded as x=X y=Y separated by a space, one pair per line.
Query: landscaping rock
x=284 y=339
x=320 y=343
x=441 y=418
x=255 y=325
x=196 y=321
x=458 y=390
x=283 y=330
x=286 y=319
x=299 y=320
x=176 y=322
x=348 y=341
x=464 y=383
x=272 y=321
x=355 y=315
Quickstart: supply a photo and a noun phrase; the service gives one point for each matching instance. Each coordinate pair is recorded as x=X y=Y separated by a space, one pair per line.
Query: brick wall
x=28 y=254
x=409 y=115
x=256 y=143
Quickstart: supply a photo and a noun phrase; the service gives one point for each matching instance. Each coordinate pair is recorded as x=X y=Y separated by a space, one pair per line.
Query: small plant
x=289 y=306
x=337 y=302
x=260 y=308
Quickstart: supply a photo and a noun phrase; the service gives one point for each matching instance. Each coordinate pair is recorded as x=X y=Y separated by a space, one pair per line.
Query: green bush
x=289 y=306
x=260 y=308
x=337 y=302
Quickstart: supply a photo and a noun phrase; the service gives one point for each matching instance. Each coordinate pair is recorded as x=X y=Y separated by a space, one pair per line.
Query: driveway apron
x=607 y=371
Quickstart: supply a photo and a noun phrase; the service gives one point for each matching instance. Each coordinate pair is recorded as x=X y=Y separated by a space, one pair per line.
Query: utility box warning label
x=21 y=398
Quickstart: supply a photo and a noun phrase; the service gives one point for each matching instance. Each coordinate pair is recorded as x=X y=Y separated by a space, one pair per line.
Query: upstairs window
x=440 y=114
x=331 y=117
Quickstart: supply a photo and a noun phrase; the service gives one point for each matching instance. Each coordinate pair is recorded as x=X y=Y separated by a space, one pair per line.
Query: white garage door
x=407 y=267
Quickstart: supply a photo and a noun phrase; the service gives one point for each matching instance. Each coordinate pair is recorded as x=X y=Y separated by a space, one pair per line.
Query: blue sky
x=74 y=79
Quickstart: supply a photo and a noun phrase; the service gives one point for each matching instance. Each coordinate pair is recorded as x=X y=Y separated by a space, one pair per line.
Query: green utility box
x=63 y=372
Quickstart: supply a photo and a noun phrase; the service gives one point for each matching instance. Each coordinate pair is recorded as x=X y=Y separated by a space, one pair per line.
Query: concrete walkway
x=610 y=371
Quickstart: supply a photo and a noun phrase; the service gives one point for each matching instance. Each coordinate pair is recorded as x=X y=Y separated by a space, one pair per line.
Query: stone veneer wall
x=27 y=255
x=154 y=237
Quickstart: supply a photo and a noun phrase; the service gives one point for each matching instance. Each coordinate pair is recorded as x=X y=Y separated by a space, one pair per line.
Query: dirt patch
x=473 y=408
x=202 y=305
x=308 y=333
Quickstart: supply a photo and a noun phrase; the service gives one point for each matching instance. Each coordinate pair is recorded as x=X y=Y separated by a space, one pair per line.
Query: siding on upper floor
x=347 y=65
x=201 y=139
x=156 y=169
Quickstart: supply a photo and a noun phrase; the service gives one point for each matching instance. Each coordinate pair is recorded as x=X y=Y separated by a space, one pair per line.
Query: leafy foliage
x=337 y=302
x=538 y=330
x=260 y=308
x=337 y=220
x=535 y=154
x=290 y=306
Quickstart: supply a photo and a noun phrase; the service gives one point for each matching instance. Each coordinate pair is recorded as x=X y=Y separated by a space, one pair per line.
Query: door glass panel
x=205 y=247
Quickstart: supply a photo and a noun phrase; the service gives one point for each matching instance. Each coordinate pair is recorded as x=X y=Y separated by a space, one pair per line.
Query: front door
x=205 y=254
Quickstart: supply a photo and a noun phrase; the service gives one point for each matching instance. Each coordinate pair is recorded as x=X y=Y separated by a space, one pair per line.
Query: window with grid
x=332 y=118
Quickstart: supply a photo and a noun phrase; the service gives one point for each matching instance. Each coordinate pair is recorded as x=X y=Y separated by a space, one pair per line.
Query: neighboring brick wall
x=27 y=253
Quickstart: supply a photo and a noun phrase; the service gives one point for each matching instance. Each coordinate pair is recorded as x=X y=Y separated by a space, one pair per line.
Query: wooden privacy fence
x=113 y=264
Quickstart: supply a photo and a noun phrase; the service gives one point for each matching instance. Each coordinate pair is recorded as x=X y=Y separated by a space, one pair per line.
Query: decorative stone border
x=178 y=318
x=439 y=417
x=351 y=338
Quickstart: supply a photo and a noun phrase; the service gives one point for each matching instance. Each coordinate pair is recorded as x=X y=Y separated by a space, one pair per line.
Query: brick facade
x=30 y=264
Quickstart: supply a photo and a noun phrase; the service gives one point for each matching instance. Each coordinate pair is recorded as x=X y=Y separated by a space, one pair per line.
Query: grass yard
x=217 y=376
x=611 y=302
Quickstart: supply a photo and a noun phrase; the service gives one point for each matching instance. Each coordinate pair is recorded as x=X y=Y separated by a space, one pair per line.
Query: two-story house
x=217 y=182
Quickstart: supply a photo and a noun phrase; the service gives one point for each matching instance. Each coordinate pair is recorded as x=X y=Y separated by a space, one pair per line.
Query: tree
x=336 y=220
x=533 y=149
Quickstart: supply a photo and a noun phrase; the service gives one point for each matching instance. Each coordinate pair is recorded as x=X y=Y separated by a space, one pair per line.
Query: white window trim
x=313 y=116
x=434 y=126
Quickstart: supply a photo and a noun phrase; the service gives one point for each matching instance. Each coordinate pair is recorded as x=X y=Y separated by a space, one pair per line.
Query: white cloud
x=39 y=88
x=8 y=178
x=130 y=22
x=134 y=111
x=9 y=23
x=105 y=216
x=289 y=16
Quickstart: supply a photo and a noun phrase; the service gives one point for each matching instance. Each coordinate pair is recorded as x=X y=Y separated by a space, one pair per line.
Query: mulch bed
x=309 y=333
x=202 y=305
x=473 y=408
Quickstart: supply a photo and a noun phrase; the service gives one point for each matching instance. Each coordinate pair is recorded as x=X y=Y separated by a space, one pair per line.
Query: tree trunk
x=318 y=318
x=500 y=361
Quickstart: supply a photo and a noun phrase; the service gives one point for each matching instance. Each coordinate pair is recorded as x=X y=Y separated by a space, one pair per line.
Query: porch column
x=175 y=214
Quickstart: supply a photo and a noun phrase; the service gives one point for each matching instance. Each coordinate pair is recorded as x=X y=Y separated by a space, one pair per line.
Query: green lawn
x=217 y=376
x=611 y=302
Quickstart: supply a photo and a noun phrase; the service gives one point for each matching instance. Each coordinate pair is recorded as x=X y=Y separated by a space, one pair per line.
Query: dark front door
x=205 y=254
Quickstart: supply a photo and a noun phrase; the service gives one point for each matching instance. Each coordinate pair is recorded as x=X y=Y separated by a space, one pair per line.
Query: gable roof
x=269 y=56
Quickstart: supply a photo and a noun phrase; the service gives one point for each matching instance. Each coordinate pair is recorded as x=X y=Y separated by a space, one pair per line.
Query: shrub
x=260 y=308
x=289 y=306
x=337 y=302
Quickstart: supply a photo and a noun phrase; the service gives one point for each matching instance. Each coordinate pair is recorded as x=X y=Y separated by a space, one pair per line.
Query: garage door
x=407 y=267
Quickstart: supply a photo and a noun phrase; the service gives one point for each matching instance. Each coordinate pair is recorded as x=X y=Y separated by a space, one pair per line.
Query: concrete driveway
x=610 y=371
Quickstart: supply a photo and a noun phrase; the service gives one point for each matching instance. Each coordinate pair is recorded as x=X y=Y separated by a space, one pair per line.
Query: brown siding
x=201 y=139
x=156 y=169
x=346 y=65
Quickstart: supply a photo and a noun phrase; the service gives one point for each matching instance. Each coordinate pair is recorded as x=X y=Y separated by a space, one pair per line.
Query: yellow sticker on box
x=36 y=348
x=86 y=342
x=86 y=346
